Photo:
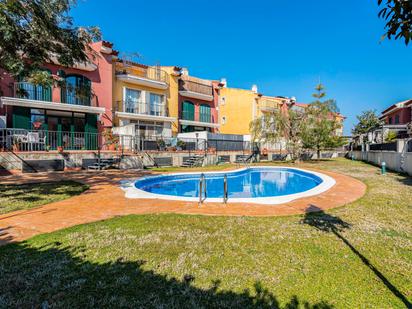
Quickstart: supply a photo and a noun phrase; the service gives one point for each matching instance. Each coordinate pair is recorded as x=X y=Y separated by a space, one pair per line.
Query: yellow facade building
x=237 y=108
x=142 y=102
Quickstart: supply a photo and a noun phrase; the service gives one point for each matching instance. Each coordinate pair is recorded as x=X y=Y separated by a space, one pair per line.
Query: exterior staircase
x=104 y=164
x=196 y=160
x=10 y=161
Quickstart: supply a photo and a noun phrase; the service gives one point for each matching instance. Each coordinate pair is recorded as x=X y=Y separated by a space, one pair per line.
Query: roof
x=396 y=106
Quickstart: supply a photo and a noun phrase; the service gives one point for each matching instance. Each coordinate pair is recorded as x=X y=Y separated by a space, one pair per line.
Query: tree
x=367 y=120
x=32 y=31
x=321 y=124
x=280 y=126
x=398 y=17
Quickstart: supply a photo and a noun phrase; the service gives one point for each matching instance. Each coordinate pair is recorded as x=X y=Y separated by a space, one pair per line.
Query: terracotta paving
x=106 y=200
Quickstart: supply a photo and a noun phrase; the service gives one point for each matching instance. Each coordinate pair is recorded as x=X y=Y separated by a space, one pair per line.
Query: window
x=156 y=104
x=37 y=119
x=188 y=110
x=223 y=100
x=132 y=101
x=390 y=120
x=224 y=120
x=397 y=119
x=77 y=90
x=205 y=114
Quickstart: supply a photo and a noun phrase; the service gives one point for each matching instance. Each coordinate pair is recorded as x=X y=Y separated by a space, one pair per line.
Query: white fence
x=394 y=160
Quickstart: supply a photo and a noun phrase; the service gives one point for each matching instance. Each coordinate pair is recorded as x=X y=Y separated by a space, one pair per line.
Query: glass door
x=132 y=103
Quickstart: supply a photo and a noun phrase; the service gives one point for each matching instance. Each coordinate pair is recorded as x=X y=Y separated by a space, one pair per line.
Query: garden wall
x=391 y=158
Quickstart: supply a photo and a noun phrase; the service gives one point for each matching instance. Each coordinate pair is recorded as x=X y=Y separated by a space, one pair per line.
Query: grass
x=357 y=256
x=19 y=197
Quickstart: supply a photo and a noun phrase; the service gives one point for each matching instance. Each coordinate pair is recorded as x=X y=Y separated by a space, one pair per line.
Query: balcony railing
x=187 y=85
x=203 y=117
x=141 y=107
x=267 y=105
x=43 y=140
x=152 y=73
x=69 y=95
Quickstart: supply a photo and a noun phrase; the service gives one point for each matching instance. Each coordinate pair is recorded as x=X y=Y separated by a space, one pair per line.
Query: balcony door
x=77 y=90
x=188 y=110
x=133 y=103
x=156 y=104
x=205 y=113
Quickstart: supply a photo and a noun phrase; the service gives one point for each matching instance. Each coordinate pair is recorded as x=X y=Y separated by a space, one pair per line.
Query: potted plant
x=161 y=144
x=110 y=139
x=60 y=149
x=181 y=145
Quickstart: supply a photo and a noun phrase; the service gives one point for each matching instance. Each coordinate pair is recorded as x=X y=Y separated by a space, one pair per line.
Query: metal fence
x=22 y=140
x=384 y=147
x=42 y=140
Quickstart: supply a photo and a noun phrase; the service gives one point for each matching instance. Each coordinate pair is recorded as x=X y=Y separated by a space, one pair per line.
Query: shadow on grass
x=324 y=222
x=57 y=276
x=35 y=192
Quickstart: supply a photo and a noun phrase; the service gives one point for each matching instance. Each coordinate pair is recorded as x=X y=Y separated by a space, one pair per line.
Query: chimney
x=185 y=72
x=254 y=88
x=223 y=81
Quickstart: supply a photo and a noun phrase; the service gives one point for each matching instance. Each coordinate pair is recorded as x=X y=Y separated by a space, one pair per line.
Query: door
x=132 y=102
x=205 y=114
x=188 y=110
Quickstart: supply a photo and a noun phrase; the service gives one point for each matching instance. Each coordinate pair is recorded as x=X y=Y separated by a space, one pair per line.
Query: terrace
x=195 y=90
x=64 y=98
x=144 y=76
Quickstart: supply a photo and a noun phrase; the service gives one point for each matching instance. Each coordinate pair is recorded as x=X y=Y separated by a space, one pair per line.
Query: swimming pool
x=261 y=185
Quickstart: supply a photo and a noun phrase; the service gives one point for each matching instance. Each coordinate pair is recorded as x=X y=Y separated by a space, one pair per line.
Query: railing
x=152 y=73
x=267 y=105
x=187 y=85
x=42 y=140
x=140 y=107
x=30 y=91
x=22 y=140
x=69 y=95
x=384 y=147
x=203 y=117
x=188 y=115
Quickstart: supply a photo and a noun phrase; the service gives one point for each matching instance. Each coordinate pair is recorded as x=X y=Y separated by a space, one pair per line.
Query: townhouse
x=68 y=113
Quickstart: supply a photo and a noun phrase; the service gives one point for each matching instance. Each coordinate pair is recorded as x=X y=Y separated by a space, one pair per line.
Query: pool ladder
x=203 y=190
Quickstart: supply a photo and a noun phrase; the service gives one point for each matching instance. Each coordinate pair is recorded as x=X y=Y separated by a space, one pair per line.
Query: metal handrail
x=202 y=188
x=225 y=193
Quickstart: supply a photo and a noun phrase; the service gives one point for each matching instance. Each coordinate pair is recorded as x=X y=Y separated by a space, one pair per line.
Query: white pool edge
x=327 y=182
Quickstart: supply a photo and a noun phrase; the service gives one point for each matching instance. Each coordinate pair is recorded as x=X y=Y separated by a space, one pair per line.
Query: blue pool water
x=248 y=183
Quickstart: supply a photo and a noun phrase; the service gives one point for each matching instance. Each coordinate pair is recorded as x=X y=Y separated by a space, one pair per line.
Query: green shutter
x=188 y=111
x=90 y=132
x=21 y=118
x=205 y=113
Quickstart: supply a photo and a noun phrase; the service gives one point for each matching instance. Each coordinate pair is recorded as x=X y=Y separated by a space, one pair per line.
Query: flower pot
x=112 y=147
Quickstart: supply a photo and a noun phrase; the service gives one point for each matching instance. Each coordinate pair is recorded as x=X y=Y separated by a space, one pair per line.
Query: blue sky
x=282 y=46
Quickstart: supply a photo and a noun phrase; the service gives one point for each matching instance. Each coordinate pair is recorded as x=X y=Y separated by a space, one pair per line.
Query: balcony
x=75 y=99
x=144 y=76
x=195 y=90
x=140 y=110
x=268 y=106
x=204 y=120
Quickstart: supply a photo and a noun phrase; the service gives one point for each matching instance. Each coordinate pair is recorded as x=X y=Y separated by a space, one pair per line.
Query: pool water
x=246 y=183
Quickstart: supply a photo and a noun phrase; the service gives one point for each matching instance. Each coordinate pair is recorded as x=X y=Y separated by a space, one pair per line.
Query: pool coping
x=131 y=192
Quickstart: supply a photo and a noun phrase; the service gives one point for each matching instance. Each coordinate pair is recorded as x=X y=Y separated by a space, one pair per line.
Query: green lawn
x=18 y=197
x=357 y=256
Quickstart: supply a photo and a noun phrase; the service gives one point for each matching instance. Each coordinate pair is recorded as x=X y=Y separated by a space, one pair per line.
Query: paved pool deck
x=105 y=199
